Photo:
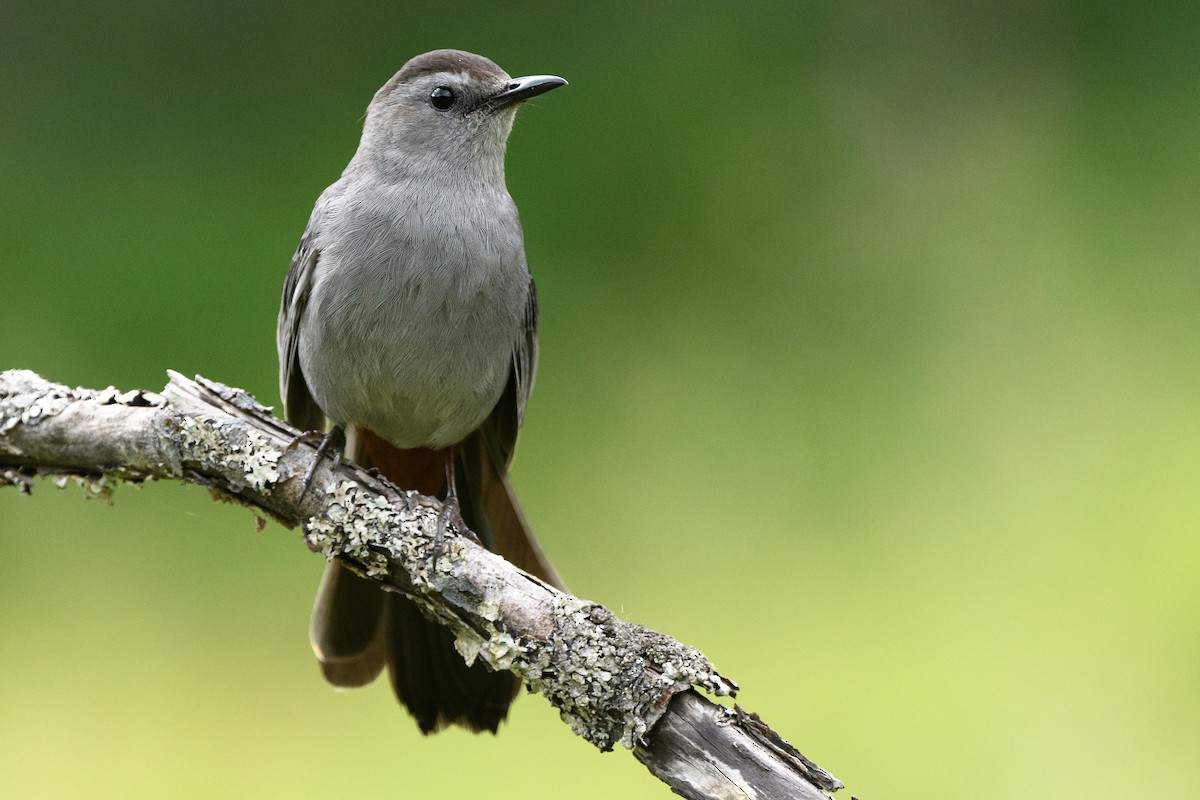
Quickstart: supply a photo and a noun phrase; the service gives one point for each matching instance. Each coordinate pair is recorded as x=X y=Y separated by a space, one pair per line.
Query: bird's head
x=447 y=109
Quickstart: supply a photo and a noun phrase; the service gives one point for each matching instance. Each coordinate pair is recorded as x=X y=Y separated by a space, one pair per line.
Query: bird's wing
x=499 y=430
x=487 y=453
x=299 y=407
x=525 y=354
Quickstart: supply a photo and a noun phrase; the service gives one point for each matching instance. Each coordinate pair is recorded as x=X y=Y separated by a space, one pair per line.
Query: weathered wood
x=703 y=750
x=613 y=682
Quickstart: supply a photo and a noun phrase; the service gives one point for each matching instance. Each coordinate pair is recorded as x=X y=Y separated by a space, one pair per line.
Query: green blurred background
x=869 y=367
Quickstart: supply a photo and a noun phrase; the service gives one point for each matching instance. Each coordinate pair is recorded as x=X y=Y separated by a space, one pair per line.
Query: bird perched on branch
x=409 y=322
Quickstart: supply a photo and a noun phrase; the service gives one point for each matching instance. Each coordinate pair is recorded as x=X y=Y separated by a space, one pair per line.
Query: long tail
x=358 y=629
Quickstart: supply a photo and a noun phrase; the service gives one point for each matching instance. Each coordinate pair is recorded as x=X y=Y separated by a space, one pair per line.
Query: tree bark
x=613 y=682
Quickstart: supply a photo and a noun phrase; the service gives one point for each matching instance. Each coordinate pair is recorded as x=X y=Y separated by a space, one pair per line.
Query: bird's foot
x=452 y=515
x=334 y=440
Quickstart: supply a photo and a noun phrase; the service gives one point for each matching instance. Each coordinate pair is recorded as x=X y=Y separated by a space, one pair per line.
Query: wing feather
x=299 y=407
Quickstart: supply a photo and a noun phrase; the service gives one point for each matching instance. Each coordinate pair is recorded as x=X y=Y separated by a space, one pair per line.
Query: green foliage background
x=869 y=366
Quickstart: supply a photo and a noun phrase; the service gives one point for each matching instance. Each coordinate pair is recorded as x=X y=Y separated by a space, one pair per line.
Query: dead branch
x=613 y=682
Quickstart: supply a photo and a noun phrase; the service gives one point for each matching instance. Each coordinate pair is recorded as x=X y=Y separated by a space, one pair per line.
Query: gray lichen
x=365 y=528
x=133 y=397
x=29 y=399
x=610 y=679
x=32 y=399
x=256 y=459
x=244 y=455
x=94 y=488
x=618 y=677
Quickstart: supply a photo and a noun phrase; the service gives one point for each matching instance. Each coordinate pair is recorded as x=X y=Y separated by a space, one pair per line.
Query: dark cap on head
x=479 y=68
x=496 y=89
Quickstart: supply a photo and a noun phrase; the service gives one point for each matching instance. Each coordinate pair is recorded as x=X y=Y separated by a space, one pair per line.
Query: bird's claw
x=452 y=515
x=334 y=440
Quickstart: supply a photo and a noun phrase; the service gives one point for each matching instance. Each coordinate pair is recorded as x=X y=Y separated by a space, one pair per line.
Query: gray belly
x=419 y=355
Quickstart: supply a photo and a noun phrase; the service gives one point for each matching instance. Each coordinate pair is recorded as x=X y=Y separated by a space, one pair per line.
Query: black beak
x=521 y=89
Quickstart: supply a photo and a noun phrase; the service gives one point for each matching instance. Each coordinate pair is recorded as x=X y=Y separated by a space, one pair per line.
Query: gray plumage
x=409 y=312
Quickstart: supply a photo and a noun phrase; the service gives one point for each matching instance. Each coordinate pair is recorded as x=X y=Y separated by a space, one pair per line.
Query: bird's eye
x=441 y=98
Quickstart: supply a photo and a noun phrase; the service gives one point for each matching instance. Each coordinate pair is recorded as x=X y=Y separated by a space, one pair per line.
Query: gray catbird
x=409 y=320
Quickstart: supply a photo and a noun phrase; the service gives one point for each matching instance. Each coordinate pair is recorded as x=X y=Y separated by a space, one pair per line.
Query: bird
x=408 y=329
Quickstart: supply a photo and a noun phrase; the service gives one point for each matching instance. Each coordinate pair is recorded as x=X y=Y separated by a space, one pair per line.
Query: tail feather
x=507 y=526
x=431 y=679
x=357 y=629
x=347 y=630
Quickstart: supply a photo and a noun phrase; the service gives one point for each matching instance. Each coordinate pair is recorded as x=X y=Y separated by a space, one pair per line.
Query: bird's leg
x=451 y=513
x=334 y=440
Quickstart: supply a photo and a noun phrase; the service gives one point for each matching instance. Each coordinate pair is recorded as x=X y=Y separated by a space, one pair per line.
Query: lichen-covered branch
x=613 y=682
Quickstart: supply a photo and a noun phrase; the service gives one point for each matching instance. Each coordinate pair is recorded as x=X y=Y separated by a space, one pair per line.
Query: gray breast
x=414 y=313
